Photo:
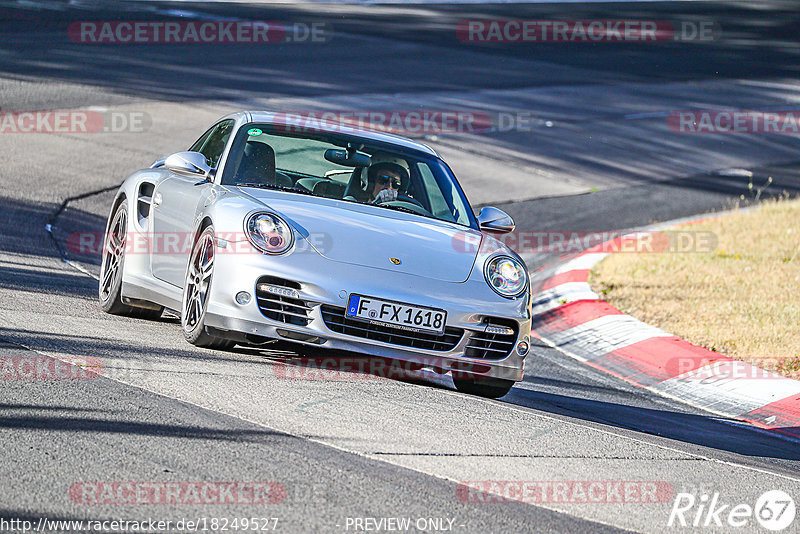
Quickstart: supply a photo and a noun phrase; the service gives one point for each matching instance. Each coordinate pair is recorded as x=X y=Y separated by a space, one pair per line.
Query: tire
x=110 y=286
x=483 y=386
x=196 y=288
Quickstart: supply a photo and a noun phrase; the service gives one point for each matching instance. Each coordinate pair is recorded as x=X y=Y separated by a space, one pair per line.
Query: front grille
x=336 y=320
x=492 y=346
x=281 y=308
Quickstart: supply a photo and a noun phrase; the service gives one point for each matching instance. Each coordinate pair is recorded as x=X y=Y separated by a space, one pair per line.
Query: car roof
x=321 y=126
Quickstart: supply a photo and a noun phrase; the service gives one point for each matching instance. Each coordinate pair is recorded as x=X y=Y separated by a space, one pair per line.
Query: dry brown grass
x=742 y=300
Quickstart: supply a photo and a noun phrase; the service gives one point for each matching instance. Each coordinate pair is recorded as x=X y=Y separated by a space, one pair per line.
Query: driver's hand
x=386 y=195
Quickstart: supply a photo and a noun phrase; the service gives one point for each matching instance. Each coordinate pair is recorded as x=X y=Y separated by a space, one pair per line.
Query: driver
x=385 y=181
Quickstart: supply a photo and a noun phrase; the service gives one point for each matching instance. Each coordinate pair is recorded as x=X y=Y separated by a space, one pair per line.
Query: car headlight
x=506 y=276
x=268 y=233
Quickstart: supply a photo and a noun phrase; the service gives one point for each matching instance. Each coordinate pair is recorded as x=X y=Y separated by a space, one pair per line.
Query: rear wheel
x=483 y=386
x=196 y=291
x=110 y=287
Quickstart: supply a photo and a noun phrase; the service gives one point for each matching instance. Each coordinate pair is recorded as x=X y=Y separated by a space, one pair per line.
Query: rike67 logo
x=773 y=510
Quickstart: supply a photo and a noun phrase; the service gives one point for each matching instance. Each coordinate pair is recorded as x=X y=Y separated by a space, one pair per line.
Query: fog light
x=242 y=297
x=501 y=330
x=522 y=348
x=279 y=290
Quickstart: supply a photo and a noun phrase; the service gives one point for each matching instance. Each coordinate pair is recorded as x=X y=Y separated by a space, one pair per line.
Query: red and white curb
x=569 y=316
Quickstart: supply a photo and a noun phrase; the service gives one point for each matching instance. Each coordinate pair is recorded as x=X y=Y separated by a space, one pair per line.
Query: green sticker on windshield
x=254 y=131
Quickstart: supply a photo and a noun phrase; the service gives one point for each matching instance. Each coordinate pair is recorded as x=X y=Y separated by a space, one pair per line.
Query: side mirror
x=494 y=220
x=188 y=164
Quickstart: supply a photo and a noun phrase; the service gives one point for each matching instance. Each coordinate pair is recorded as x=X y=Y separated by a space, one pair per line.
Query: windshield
x=393 y=179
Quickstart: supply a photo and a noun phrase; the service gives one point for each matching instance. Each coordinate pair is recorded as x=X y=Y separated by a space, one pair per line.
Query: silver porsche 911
x=331 y=237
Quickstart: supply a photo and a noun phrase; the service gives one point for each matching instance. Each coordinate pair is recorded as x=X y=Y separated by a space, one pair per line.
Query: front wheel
x=483 y=386
x=196 y=292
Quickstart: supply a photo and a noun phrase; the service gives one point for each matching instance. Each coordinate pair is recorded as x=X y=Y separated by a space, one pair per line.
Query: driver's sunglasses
x=384 y=179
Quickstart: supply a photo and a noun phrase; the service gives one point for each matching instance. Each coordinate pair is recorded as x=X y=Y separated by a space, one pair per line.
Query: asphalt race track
x=594 y=153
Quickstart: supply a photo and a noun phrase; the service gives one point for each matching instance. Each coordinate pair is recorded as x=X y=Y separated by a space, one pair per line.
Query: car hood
x=371 y=236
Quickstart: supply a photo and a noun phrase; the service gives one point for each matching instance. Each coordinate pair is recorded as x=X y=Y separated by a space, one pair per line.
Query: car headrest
x=329 y=189
x=258 y=164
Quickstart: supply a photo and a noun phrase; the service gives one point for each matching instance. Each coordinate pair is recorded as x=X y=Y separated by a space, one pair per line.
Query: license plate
x=397 y=314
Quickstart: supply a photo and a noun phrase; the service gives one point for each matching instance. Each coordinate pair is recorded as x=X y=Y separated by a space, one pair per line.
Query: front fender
x=228 y=212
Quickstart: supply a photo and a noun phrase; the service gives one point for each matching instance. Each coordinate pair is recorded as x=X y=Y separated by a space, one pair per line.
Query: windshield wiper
x=276 y=187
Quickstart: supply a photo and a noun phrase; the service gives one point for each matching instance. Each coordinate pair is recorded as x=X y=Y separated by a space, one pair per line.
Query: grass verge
x=742 y=299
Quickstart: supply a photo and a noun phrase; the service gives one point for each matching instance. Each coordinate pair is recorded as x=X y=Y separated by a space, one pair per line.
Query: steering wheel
x=404 y=198
x=408 y=203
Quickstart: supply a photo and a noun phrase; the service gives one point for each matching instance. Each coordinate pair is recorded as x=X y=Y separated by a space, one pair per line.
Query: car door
x=175 y=203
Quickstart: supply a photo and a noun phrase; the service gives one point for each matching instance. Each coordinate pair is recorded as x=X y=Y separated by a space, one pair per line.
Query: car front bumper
x=324 y=282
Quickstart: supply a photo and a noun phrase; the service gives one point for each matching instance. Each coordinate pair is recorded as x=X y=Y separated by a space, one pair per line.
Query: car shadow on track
x=23 y=230
x=705 y=430
x=88 y=424
x=303 y=363
x=42 y=280
x=22 y=227
x=117 y=353
x=30 y=257
x=121 y=360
